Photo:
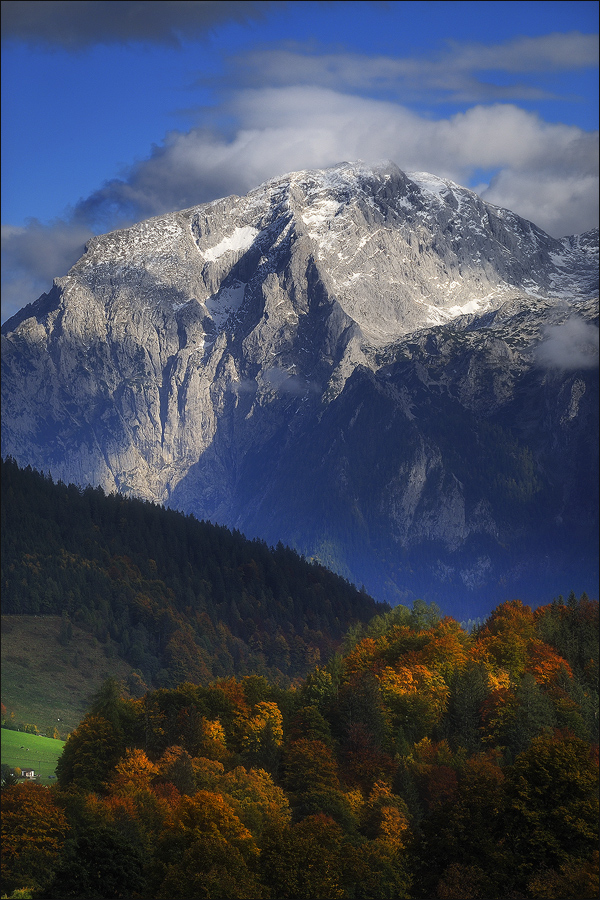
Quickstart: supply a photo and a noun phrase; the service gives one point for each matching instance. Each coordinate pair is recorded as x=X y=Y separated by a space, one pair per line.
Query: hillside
x=49 y=676
x=175 y=598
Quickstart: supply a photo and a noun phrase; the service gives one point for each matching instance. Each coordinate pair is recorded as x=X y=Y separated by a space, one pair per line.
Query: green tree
x=101 y=863
x=305 y=860
x=466 y=838
x=89 y=755
x=552 y=796
x=533 y=715
x=468 y=690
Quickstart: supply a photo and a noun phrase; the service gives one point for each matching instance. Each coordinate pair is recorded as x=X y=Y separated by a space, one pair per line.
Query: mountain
x=377 y=368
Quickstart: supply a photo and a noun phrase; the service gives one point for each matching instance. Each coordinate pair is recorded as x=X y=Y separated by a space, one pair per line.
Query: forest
x=421 y=762
x=418 y=759
x=179 y=598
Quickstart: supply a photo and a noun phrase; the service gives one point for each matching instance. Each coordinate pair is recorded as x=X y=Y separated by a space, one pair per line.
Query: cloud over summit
x=463 y=110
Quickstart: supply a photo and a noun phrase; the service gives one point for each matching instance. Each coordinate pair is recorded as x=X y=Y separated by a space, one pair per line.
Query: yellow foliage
x=393 y=829
x=356 y=801
x=133 y=772
x=256 y=799
x=498 y=680
x=207 y=772
x=266 y=720
x=214 y=744
x=416 y=680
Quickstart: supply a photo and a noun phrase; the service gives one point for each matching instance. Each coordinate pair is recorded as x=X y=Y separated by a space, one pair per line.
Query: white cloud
x=461 y=72
x=33 y=256
x=547 y=173
x=548 y=52
x=284 y=129
x=285 y=382
x=560 y=202
x=570 y=346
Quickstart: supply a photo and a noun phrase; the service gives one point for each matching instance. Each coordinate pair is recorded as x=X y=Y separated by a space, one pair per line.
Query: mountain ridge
x=186 y=359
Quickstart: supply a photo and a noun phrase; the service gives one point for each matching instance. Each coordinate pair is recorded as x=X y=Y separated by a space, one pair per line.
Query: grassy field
x=47 y=684
x=30 y=751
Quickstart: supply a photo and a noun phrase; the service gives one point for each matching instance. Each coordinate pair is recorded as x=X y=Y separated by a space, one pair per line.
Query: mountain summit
x=378 y=368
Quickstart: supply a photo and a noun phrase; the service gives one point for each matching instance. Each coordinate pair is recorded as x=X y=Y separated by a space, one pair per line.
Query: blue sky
x=113 y=112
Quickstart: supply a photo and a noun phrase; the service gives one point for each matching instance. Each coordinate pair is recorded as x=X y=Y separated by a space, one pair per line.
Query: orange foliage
x=512 y=617
x=234 y=691
x=33 y=832
x=362 y=657
x=168 y=792
x=393 y=830
x=544 y=662
x=416 y=681
x=389 y=816
x=207 y=812
x=497 y=709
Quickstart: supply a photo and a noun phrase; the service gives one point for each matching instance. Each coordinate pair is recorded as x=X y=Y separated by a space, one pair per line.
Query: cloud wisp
x=461 y=73
x=284 y=129
x=34 y=255
x=570 y=346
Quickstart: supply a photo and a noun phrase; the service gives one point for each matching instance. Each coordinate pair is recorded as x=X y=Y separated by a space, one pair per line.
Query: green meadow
x=30 y=751
x=48 y=684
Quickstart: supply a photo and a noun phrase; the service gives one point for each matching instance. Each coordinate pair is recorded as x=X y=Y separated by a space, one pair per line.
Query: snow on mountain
x=188 y=358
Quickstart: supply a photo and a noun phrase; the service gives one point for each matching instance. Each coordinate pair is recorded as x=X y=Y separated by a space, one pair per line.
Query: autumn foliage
x=425 y=762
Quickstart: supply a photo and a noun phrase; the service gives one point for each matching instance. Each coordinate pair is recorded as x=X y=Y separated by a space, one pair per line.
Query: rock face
x=378 y=368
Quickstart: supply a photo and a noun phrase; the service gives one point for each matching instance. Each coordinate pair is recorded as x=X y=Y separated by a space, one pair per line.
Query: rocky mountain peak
x=186 y=359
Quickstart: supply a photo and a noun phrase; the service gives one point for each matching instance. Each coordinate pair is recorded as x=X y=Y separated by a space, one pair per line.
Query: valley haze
x=375 y=367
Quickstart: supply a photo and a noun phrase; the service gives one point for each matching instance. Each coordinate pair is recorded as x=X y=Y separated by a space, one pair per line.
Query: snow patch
x=439 y=316
x=228 y=301
x=320 y=212
x=431 y=183
x=240 y=239
x=561 y=260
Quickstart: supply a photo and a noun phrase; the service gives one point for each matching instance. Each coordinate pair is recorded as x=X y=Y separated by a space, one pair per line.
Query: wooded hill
x=250 y=760
x=180 y=599
x=425 y=762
